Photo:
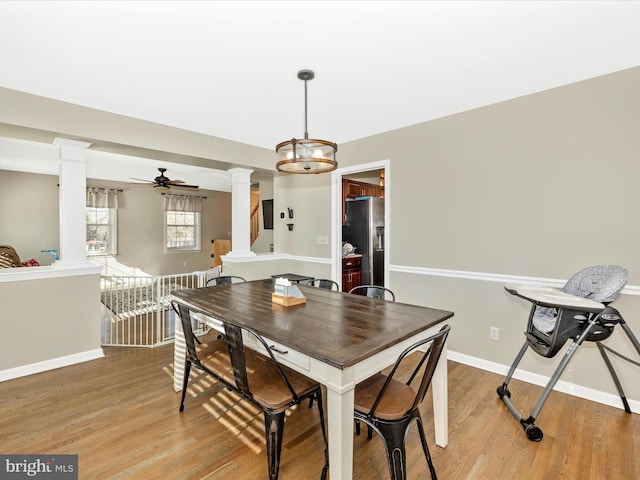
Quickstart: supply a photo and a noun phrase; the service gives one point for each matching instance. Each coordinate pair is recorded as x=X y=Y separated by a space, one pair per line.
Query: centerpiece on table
x=287 y=294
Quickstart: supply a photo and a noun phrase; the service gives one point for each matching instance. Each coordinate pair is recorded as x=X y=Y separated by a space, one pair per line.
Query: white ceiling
x=228 y=69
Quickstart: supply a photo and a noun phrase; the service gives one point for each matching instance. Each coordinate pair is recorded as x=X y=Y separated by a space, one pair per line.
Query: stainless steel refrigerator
x=364 y=229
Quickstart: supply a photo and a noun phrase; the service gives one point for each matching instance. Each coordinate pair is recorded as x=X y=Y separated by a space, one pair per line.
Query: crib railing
x=136 y=310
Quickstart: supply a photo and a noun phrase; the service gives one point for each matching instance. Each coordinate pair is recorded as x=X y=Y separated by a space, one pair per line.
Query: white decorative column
x=240 y=212
x=73 y=200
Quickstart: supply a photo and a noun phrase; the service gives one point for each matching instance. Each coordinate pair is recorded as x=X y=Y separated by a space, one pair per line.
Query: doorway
x=367 y=173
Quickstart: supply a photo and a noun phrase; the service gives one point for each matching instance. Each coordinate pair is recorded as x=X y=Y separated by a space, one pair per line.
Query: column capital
x=72 y=149
x=239 y=174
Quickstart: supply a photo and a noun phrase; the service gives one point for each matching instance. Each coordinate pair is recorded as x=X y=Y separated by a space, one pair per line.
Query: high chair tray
x=554 y=297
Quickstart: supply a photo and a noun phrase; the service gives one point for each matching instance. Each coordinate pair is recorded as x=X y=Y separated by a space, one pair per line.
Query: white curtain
x=102 y=197
x=182 y=203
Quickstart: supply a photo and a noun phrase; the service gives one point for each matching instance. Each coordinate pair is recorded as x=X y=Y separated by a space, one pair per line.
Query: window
x=182 y=223
x=101 y=207
x=182 y=231
x=101 y=231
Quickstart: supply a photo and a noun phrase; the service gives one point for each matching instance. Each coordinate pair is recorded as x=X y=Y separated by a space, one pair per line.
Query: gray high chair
x=579 y=311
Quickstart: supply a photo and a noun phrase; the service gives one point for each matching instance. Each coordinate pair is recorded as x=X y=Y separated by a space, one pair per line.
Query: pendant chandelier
x=306 y=155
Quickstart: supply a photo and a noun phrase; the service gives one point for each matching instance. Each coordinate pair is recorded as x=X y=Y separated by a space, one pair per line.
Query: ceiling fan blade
x=162 y=182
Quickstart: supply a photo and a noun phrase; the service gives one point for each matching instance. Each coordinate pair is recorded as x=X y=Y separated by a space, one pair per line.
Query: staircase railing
x=255 y=223
x=136 y=310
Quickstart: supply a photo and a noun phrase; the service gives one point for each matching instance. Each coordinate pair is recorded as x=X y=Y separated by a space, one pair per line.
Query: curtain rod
x=101 y=188
x=107 y=189
x=183 y=195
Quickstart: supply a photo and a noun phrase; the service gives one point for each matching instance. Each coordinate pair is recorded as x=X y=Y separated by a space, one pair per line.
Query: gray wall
x=309 y=197
x=29 y=218
x=520 y=187
x=36 y=312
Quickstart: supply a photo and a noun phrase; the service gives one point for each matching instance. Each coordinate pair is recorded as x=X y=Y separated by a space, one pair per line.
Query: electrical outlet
x=322 y=240
x=494 y=333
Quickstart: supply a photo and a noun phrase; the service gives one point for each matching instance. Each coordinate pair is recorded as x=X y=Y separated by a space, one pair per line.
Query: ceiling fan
x=162 y=182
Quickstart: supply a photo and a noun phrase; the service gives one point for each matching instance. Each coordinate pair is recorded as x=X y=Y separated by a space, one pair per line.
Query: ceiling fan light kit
x=306 y=155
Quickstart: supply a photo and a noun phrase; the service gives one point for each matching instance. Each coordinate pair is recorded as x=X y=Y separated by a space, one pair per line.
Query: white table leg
x=179 y=349
x=441 y=400
x=340 y=423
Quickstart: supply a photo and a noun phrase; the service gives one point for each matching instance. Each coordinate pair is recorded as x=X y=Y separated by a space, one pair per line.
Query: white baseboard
x=540 y=380
x=52 y=364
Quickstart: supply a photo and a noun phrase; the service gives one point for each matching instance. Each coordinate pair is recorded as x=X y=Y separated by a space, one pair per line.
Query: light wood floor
x=120 y=415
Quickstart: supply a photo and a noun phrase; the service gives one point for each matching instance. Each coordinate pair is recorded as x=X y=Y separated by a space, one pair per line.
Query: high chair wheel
x=533 y=433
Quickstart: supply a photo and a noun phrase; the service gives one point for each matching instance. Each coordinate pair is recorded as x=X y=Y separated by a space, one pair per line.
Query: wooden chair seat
x=215 y=355
x=395 y=403
x=265 y=381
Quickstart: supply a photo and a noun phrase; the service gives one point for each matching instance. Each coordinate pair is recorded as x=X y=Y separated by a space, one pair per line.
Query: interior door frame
x=336 y=215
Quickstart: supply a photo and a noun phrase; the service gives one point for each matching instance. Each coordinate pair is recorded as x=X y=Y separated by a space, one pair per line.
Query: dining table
x=338 y=339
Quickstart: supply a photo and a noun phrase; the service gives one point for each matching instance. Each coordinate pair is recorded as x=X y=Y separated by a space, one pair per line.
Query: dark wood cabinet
x=351 y=272
x=354 y=189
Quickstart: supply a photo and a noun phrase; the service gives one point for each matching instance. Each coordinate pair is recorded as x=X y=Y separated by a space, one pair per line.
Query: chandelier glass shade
x=306 y=155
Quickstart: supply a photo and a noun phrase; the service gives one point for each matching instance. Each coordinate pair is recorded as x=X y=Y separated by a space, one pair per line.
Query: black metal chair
x=322 y=283
x=374 y=291
x=221 y=280
x=390 y=405
x=224 y=280
x=256 y=377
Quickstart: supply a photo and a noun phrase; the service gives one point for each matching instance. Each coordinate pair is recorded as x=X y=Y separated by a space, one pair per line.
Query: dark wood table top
x=337 y=328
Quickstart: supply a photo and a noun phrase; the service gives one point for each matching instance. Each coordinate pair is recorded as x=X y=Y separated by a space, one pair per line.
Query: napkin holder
x=287 y=294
